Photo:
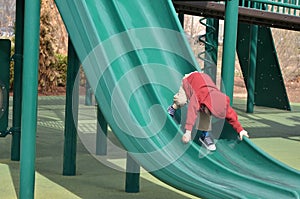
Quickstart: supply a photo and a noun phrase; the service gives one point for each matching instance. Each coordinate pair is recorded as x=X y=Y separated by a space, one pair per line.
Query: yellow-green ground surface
x=277 y=132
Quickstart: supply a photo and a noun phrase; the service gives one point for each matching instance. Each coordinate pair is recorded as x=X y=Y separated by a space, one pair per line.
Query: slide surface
x=134 y=54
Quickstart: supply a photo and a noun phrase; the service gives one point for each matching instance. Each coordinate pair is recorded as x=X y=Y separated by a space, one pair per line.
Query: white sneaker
x=208 y=142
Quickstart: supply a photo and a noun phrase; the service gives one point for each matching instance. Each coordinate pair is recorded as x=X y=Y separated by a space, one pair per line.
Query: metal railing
x=290 y=7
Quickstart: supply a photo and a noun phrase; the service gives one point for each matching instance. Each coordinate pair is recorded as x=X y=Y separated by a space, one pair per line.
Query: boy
x=206 y=100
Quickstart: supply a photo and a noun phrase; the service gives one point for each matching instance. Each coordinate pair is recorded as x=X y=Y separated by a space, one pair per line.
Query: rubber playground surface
x=274 y=131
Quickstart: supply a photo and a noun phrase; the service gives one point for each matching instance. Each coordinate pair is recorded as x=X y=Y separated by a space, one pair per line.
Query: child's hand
x=243 y=133
x=187 y=136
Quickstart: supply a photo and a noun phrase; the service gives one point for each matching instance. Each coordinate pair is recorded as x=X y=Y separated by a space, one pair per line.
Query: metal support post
x=71 y=116
x=17 y=91
x=29 y=98
x=101 y=139
x=181 y=18
x=132 y=175
x=229 y=47
x=252 y=68
x=88 y=94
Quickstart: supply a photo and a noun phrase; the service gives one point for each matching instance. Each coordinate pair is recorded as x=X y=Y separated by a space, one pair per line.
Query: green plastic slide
x=134 y=53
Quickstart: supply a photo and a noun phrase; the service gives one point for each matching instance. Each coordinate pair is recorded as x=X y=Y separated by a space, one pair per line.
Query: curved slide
x=134 y=54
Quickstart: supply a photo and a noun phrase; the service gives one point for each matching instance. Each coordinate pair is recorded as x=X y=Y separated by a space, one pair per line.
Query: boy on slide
x=205 y=100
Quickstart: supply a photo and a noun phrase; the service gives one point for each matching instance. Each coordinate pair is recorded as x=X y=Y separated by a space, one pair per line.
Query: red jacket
x=201 y=90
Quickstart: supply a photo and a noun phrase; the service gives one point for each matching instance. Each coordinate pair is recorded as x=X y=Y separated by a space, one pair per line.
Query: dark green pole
x=88 y=94
x=132 y=184
x=101 y=139
x=17 y=91
x=181 y=18
x=71 y=112
x=229 y=46
x=29 y=98
x=252 y=68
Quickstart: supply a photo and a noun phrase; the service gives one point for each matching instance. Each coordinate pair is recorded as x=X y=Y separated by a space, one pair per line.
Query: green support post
x=229 y=46
x=5 y=48
x=181 y=18
x=88 y=94
x=29 y=98
x=17 y=91
x=101 y=139
x=71 y=113
x=252 y=68
x=132 y=184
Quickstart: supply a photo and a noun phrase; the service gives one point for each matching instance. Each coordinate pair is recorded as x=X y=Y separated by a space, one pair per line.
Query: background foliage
x=54 y=40
x=52 y=63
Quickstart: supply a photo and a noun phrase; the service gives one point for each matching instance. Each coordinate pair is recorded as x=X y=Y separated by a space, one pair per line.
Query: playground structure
x=115 y=49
